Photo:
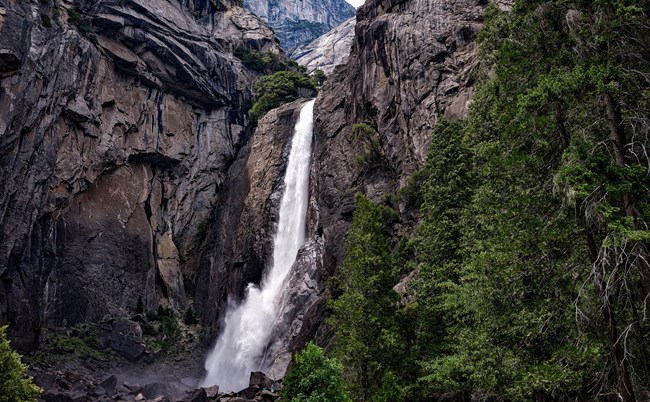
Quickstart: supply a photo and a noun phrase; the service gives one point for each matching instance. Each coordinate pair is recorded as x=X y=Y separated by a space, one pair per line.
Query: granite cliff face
x=118 y=122
x=330 y=50
x=300 y=22
x=239 y=247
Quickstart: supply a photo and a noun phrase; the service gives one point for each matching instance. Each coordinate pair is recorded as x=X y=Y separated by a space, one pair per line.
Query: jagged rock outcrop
x=118 y=122
x=330 y=50
x=300 y=22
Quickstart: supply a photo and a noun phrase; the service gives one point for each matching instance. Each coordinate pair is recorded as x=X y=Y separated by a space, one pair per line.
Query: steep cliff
x=411 y=63
x=328 y=51
x=299 y=22
x=239 y=247
x=118 y=122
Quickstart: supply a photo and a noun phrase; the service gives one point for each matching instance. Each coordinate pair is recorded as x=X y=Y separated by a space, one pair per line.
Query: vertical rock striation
x=300 y=22
x=118 y=122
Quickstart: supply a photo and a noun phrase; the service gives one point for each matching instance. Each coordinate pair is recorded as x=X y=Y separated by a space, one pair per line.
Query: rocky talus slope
x=118 y=122
x=298 y=23
x=330 y=50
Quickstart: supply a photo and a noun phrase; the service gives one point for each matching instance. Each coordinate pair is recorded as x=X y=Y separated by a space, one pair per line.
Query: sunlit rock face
x=328 y=51
x=118 y=122
x=299 y=22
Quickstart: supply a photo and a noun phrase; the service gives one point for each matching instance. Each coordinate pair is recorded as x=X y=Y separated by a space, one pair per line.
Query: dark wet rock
x=249 y=393
x=45 y=381
x=125 y=338
x=109 y=384
x=198 y=395
x=268 y=396
x=65 y=396
x=114 y=152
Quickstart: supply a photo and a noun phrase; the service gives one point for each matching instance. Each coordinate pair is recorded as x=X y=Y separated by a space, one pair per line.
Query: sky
x=356 y=3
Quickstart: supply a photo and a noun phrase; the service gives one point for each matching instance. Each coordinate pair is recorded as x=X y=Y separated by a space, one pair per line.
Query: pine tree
x=367 y=338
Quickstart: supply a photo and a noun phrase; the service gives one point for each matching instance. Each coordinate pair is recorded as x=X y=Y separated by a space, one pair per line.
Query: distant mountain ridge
x=299 y=22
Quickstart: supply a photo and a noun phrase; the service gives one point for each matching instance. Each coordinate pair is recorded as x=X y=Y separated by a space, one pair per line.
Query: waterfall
x=247 y=326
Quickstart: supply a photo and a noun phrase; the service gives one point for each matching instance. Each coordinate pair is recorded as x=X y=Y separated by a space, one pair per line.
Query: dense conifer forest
x=528 y=270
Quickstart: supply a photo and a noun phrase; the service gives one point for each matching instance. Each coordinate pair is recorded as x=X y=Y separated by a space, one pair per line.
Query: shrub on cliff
x=314 y=378
x=276 y=89
x=14 y=385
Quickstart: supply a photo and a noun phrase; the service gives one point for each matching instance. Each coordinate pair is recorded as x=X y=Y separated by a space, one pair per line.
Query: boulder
x=268 y=396
x=198 y=395
x=212 y=391
x=125 y=338
x=260 y=380
x=109 y=384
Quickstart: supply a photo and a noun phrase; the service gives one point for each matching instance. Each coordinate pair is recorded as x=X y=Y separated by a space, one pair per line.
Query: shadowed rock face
x=240 y=246
x=299 y=22
x=113 y=155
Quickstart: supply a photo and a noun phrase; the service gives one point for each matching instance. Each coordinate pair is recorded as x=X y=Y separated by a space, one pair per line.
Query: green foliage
x=319 y=77
x=530 y=256
x=162 y=330
x=278 y=88
x=188 y=284
x=202 y=229
x=47 y=21
x=84 y=28
x=81 y=342
x=266 y=63
x=373 y=155
x=367 y=337
x=190 y=317
x=139 y=307
x=313 y=377
x=15 y=386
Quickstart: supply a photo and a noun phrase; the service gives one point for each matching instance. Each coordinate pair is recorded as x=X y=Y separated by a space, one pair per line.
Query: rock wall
x=118 y=122
x=328 y=51
x=299 y=22
x=410 y=64
x=240 y=245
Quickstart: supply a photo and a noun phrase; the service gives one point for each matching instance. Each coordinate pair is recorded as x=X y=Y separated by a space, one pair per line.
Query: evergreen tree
x=14 y=385
x=313 y=377
x=367 y=338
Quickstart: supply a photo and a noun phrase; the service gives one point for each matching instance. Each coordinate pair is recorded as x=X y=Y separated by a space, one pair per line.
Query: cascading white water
x=247 y=326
